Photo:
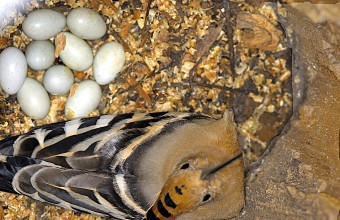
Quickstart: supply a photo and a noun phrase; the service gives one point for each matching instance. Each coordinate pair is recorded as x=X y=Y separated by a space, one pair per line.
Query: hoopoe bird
x=184 y=166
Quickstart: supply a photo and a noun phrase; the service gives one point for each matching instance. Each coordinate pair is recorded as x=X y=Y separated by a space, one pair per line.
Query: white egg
x=43 y=24
x=108 y=61
x=83 y=99
x=74 y=52
x=40 y=54
x=13 y=69
x=58 y=80
x=86 y=24
x=33 y=99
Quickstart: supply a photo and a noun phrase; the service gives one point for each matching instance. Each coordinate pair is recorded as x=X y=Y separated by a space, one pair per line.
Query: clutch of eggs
x=44 y=26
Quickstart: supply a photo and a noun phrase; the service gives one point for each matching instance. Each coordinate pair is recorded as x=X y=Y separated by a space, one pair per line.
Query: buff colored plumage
x=131 y=166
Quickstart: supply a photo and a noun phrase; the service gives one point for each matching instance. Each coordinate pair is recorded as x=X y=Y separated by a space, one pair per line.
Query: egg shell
x=86 y=24
x=58 y=80
x=40 y=54
x=83 y=99
x=108 y=61
x=43 y=24
x=33 y=99
x=74 y=51
x=13 y=69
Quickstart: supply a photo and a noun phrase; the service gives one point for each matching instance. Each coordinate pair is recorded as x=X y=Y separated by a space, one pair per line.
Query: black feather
x=9 y=168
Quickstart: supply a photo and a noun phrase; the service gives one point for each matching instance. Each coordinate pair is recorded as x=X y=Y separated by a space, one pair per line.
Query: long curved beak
x=213 y=170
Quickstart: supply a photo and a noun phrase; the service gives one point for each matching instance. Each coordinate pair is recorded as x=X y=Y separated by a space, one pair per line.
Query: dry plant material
x=133 y=83
x=79 y=75
x=204 y=45
x=230 y=34
x=110 y=4
x=94 y=4
x=2 y=214
x=312 y=1
x=73 y=89
x=60 y=44
x=83 y=75
x=258 y=32
x=178 y=58
x=3 y=42
x=257 y=3
x=125 y=29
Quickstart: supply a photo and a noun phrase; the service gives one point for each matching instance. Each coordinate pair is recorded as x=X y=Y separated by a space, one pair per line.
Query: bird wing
x=72 y=189
x=86 y=144
x=70 y=163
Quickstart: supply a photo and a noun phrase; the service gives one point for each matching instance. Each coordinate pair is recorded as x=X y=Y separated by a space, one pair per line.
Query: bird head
x=193 y=184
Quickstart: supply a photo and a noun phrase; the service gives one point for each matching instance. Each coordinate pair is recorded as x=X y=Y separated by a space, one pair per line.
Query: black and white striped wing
x=79 y=164
x=68 y=164
x=72 y=189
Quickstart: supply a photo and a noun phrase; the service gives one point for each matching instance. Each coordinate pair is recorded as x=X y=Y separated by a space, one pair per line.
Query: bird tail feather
x=9 y=164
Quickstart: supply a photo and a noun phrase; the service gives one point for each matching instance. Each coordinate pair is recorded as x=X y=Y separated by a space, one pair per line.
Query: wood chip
x=204 y=45
x=3 y=42
x=133 y=82
x=110 y=4
x=258 y=32
x=60 y=44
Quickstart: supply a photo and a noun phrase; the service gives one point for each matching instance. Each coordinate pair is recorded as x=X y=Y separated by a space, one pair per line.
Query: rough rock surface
x=299 y=177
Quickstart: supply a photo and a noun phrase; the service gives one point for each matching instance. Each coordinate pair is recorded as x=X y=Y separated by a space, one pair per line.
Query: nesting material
x=177 y=58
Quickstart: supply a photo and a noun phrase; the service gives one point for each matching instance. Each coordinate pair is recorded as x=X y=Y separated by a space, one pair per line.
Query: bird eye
x=185 y=166
x=206 y=197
